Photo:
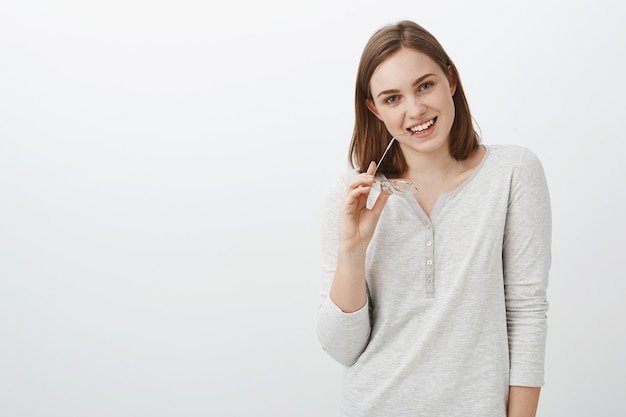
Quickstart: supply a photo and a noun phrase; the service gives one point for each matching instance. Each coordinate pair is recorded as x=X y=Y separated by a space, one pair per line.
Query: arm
x=343 y=325
x=526 y=259
x=356 y=228
x=523 y=401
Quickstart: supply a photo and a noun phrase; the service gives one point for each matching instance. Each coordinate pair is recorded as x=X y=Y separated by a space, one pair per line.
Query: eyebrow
x=416 y=82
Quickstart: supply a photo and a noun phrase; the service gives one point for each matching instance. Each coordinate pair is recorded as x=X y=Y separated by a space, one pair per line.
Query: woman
x=436 y=258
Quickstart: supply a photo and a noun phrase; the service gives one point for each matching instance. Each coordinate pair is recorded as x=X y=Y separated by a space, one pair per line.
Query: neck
x=432 y=165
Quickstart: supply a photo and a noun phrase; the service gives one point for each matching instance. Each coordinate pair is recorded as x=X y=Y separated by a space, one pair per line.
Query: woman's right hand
x=357 y=223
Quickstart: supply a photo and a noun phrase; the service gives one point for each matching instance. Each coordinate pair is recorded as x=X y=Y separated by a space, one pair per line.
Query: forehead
x=402 y=67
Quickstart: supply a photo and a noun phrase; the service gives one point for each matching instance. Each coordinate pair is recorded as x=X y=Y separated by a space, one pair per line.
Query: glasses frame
x=400 y=186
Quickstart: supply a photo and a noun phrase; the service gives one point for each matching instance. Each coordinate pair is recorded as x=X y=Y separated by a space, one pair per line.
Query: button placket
x=429 y=276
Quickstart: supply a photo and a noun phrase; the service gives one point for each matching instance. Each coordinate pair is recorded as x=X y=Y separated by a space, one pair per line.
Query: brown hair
x=370 y=137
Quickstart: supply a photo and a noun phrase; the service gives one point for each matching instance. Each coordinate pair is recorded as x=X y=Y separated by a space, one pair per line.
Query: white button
x=429 y=262
x=428 y=226
x=429 y=243
x=430 y=280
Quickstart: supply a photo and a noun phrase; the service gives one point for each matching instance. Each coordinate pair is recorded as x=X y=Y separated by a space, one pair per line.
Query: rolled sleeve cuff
x=526 y=378
x=343 y=335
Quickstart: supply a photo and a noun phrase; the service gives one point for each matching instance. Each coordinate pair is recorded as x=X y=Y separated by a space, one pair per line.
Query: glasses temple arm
x=384 y=153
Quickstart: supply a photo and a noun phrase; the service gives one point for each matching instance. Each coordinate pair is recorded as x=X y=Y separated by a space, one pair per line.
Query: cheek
x=391 y=117
x=452 y=108
x=448 y=104
x=450 y=114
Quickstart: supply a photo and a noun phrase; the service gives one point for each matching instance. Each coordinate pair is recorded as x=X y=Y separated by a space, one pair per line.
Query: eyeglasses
x=404 y=187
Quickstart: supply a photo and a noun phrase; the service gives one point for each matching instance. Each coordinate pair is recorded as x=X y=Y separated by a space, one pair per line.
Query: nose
x=415 y=107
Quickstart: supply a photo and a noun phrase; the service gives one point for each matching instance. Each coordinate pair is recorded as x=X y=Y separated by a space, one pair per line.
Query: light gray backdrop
x=163 y=166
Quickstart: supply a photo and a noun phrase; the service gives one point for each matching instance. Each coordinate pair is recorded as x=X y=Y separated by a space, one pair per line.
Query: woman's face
x=411 y=94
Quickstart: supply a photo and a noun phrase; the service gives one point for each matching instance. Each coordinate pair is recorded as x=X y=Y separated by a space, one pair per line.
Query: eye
x=391 y=99
x=427 y=85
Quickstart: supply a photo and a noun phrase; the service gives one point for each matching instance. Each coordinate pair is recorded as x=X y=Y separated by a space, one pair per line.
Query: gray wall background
x=162 y=171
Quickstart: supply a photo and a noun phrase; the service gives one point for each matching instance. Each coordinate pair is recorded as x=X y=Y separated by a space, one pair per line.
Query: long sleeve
x=342 y=335
x=456 y=308
x=526 y=262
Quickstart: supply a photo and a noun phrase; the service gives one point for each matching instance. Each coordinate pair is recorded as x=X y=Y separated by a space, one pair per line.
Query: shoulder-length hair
x=370 y=137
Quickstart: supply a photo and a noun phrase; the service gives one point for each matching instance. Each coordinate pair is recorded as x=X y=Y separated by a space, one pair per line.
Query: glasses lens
x=383 y=186
x=404 y=187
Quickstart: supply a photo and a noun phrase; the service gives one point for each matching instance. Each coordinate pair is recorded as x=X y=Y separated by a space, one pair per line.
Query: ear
x=372 y=107
x=452 y=79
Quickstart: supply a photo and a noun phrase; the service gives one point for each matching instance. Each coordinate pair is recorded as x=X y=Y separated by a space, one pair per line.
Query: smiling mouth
x=422 y=127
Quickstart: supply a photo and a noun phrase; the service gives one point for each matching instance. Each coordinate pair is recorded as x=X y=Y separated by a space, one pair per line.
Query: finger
x=371 y=168
x=360 y=189
x=357 y=196
x=380 y=202
x=361 y=180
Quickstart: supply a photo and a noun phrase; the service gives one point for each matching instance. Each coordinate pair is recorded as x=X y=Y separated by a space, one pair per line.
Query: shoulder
x=514 y=157
x=510 y=152
x=337 y=188
x=343 y=180
x=335 y=194
x=348 y=175
x=522 y=171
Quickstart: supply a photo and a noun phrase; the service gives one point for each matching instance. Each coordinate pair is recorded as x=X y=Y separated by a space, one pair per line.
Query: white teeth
x=423 y=126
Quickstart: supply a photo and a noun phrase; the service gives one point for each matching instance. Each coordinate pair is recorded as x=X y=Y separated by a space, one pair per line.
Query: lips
x=422 y=127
